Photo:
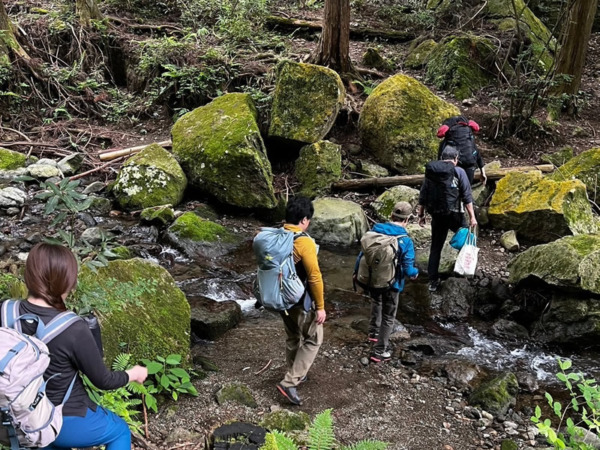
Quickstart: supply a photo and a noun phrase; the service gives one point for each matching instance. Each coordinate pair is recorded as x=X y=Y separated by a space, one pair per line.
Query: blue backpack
x=279 y=286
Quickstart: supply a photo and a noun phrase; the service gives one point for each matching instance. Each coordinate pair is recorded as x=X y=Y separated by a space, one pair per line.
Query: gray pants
x=384 y=305
x=304 y=337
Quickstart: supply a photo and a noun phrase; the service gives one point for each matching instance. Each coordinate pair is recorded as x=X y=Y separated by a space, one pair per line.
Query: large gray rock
x=12 y=196
x=306 y=102
x=212 y=319
x=318 y=166
x=453 y=300
x=222 y=152
x=541 y=209
x=496 y=395
x=384 y=204
x=337 y=221
x=447 y=260
x=572 y=262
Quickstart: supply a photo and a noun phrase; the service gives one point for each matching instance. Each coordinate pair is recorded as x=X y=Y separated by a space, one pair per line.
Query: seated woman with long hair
x=50 y=275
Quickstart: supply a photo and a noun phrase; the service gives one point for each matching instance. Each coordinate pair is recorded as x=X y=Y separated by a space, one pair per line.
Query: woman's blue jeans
x=101 y=427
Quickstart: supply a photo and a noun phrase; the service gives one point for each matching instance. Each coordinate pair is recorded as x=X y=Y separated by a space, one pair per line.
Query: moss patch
x=223 y=154
x=419 y=56
x=11 y=160
x=12 y=287
x=318 y=166
x=584 y=167
x=497 y=395
x=190 y=226
x=306 y=102
x=372 y=58
x=160 y=214
x=398 y=121
x=285 y=421
x=384 y=204
x=237 y=393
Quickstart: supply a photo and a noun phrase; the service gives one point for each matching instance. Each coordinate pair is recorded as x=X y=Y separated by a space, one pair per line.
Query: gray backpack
x=279 y=287
x=29 y=419
x=377 y=266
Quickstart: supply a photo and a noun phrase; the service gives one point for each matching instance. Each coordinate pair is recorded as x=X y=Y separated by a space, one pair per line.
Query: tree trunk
x=334 y=45
x=8 y=42
x=87 y=10
x=575 y=36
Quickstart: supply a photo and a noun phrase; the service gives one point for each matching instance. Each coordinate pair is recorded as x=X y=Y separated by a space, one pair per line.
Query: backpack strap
x=57 y=325
x=7 y=423
x=10 y=312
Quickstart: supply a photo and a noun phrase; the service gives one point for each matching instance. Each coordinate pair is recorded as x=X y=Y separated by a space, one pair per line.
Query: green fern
x=366 y=445
x=320 y=433
x=121 y=362
x=276 y=440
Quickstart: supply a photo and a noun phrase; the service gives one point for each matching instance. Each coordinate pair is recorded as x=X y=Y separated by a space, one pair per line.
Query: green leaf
x=566 y=364
x=179 y=372
x=173 y=359
x=152 y=366
x=557 y=408
x=164 y=381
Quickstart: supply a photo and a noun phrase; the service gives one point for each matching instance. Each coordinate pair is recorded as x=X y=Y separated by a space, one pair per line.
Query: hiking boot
x=377 y=357
x=290 y=393
x=304 y=379
x=434 y=285
x=373 y=337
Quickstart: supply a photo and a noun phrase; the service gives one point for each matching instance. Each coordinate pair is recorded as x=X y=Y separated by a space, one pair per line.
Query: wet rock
x=337 y=221
x=100 y=205
x=509 y=329
x=528 y=382
x=94 y=235
x=460 y=373
x=384 y=204
x=496 y=395
x=87 y=219
x=11 y=196
x=434 y=345
x=94 y=188
x=318 y=166
x=211 y=319
x=453 y=300
x=509 y=241
x=237 y=393
x=162 y=215
x=69 y=165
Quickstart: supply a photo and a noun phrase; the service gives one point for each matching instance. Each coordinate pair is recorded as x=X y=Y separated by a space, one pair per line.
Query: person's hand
x=473 y=222
x=414 y=278
x=422 y=221
x=137 y=374
x=321 y=316
x=483 y=178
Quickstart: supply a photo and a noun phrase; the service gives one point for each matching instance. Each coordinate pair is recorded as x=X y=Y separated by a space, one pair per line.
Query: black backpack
x=442 y=195
x=461 y=136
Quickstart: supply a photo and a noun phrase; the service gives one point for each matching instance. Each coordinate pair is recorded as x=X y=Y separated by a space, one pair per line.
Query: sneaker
x=290 y=393
x=434 y=285
x=373 y=337
x=380 y=357
x=304 y=379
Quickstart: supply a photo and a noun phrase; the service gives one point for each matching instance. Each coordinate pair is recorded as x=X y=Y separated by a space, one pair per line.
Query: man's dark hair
x=449 y=153
x=297 y=209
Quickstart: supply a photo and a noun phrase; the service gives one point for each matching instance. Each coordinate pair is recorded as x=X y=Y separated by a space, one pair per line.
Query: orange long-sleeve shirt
x=305 y=250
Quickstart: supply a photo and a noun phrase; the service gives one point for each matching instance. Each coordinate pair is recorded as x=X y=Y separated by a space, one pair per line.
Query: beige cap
x=402 y=210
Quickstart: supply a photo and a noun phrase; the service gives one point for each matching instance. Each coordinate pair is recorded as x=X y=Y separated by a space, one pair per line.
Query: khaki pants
x=304 y=337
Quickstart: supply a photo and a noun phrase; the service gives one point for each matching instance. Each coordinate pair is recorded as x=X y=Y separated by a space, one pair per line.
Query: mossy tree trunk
x=9 y=46
x=87 y=10
x=574 y=42
x=334 y=45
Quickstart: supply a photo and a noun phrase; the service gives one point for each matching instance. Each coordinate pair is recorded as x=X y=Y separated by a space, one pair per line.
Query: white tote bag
x=467 y=257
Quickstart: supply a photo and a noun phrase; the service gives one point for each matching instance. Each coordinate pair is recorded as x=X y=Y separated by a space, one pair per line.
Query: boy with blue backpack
x=290 y=282
x=387 y=256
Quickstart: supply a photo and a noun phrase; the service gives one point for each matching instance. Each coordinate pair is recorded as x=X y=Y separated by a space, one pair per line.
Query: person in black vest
x=458 y=132
x=445 y=193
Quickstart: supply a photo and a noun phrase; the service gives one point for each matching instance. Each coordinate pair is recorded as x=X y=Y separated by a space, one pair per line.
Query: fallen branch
x=34 y=144
x=264 y=368
x=113 y=154
x=95 y=169
x=415 y=180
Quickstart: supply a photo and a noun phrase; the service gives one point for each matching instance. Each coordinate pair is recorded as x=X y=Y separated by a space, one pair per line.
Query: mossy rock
x=285 y=421
x=569 y=263
x=122 y=252
x=337 y=221
x=458 y=65
x=372 y=58
x=211 y=319
x=100 y=205
x=306 y=102
x=153 y=177
x=201 y=237
x=584 y=167
x=397 y=124
x=372 y=170
x=162 y=215
x=222 y=152
x=501 y=12
x=143 y=311
x=12 y=287
x=318 y=166
x=418 y=57
x=237 y=393
x=384 y=204
x=11 y=160
x=541 y=209
x=496 y=395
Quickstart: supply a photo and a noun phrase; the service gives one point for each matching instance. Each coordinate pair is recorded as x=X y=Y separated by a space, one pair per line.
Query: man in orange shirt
x=304 y=321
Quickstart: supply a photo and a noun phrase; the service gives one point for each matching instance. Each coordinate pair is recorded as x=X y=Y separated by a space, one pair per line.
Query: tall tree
x=87 y=10
x=9 y=46
x=575 y=36
x=334 y=45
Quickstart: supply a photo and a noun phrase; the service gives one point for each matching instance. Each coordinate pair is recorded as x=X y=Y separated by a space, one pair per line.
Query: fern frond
x=277 y=440
x=366 y=445
x=320 y=433
x=121 y=362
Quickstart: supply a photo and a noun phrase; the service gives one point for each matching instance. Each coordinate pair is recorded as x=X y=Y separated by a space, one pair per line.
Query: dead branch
x=112 y=154
x=34 y=144
x=264 y=368
x=96 y=169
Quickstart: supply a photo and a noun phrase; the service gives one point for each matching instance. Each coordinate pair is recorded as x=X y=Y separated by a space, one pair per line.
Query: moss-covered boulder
x=212 y=319
x=372 y=170
x=541 y=209
x=337 y=221
x=140 y=308
x=237 y=393
x=536 y=36
x=559 y=157
x=153 y=177
x=162 y=215
x=418 y=56
x=285 y=420
x=200 y=237
x=584 y=167
x=571 y=262
x=373 y=58
x=319 y=165
x=459 y=64
x=496 y=395
x=509 y=241
x=11 y=160
x=384 y=204
x=306 y=102
x=398 y=123
x=222 y=152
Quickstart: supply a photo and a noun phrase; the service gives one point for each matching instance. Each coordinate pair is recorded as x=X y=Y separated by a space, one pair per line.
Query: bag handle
x=472 y=236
